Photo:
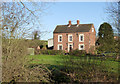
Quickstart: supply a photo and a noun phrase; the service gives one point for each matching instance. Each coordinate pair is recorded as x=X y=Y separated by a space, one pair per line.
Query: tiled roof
x=73 y=28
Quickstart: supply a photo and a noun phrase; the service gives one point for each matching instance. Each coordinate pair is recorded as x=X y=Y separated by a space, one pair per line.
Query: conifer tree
x=106 y=37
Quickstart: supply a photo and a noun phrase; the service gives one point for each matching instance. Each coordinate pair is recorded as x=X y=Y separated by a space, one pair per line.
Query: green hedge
x=78 y=52
x=50 y=52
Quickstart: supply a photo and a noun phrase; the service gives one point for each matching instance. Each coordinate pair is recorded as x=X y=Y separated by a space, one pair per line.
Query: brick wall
x=89 y=40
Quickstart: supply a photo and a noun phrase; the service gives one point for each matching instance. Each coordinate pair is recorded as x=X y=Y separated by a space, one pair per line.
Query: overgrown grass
x=82 y=68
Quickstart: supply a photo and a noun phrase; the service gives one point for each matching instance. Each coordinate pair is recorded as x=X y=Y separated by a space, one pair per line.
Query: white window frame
x=60 y=45
x=92 y=29
x=59 y=38
x=80 y=38
x=69 y=38
x=80 y=47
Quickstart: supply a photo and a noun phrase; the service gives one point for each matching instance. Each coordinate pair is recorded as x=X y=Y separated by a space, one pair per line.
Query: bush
x=78 y=52
x=13 y=54
x=15 y=63
x=60 y=76
x=50 y=52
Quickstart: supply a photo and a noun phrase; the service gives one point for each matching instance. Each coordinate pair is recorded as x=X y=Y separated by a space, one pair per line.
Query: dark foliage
x=77 y=52
x=41 y=46
x=35 y=43
x=60 y=77
x=86 y=71
x=36 y=35
x=106 y=38
x=49 y=52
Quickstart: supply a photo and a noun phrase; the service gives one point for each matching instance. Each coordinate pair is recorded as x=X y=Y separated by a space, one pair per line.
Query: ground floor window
x=81 y=46
x=60 y=47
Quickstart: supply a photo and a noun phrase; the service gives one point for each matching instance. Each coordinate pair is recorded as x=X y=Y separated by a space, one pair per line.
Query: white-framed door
x=70 y=46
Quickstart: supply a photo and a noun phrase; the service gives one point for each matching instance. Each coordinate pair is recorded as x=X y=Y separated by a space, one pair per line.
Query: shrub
x=60 y=76
x=50 y=52
x=35 y=43
x=41 y=46
x=13 y=54
x=78 y=52
x=15 y=63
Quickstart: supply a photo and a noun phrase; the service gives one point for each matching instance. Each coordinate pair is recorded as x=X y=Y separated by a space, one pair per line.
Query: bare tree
x=18 y=20
x=113 y=10
x=114 y=16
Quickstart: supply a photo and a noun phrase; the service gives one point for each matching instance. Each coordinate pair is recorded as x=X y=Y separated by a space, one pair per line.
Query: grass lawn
x=74 y=61
x=83 y=68
x=50 y=59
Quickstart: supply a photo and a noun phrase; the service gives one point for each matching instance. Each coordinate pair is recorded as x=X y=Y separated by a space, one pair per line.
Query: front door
x=70 y=47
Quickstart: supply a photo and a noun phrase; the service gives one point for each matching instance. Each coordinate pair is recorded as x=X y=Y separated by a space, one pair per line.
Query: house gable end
x=92 y=26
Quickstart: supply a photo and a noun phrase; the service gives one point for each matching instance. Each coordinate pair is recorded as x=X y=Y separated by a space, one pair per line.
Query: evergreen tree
x=36 y=35
x=106 y=37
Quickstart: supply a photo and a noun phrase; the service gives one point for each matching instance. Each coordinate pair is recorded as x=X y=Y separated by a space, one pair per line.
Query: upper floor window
x=81 y=38
x=92 y=29
x=70 y=38
x=59 y=38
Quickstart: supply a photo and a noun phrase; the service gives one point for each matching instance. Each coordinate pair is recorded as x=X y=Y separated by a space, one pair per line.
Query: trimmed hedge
x=50 y=52
x=78 y=52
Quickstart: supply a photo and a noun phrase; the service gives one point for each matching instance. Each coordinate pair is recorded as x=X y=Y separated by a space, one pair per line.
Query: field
x=79 y=69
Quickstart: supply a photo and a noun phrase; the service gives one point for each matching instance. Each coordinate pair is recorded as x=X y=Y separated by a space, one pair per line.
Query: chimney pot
x=69 y=22
x=78 y=22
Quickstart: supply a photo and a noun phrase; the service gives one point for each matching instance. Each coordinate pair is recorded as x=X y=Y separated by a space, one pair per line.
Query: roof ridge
x=76 y=24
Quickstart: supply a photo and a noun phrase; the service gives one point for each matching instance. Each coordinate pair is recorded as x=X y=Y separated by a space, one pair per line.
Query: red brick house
x=74 y=36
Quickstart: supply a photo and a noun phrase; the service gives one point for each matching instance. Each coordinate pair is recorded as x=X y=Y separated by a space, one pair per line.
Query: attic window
x=92 y=29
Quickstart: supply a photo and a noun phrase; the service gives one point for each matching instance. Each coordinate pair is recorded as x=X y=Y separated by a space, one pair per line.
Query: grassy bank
x=80 y=69
x=72 y=60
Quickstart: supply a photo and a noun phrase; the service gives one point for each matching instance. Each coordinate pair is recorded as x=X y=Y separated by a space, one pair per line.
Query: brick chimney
x=70 y=22
x=78 y=22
